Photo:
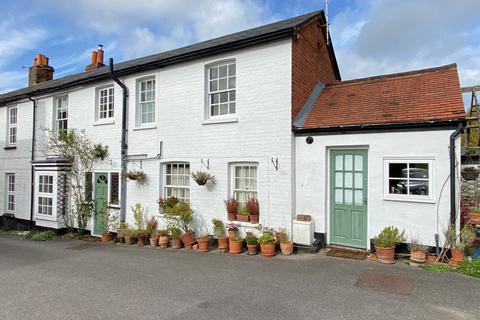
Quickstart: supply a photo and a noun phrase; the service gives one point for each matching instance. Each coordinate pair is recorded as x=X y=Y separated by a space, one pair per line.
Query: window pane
x=222 y=84
x=223 y=108
x=339 y=162
x=231 y=70
x=213 y=73
x=231 y=95
x=358 y=197
x=214 y=85
x=348 y=196
x=114 y=188
x=231 y=107
x=358 y=163
x=348 y=162
x=339 y=196
x=397 y=170
x=397 y=186
x=418 y=187
x=358 y=180
x=348 y=179
x=224 y=97
x=222 y=71
x=338 y=179
x=231 y=83
x=419 y=170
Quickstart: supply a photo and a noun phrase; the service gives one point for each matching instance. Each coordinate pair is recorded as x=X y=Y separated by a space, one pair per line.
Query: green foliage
x=460 y=241
x=202 y=177
x=138 y=214
x=250 y=239
x=175 y=232
x=438 y=267
x=218 y=224
x=41 y=235
x=470 y=267
x=243 y=211
x=152 y=226
x=389 y=237
x=180 y=216
x=282 y=235
x=267 y=237
x=162 y=232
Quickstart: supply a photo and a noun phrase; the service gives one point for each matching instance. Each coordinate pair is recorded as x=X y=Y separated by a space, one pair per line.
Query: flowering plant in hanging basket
x=202 y=177
x=138 y=176
x=470 y=173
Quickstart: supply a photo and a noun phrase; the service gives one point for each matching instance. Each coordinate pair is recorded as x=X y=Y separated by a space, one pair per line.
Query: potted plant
x=121 y=230
x=242 y=214
x=166 y=203
x=151 y=230
x=110 y=222
x=232 y=229
x=267 y=243
x=252 y=244
x=286 y=246
x=385 y=244
x=142 y=236
x=459 y=243
x=418 y=253
x=232 y=208
x=218 y=228
x=252 y=209
x=202 y=177
x=203 y=243
x=236 y=245
x=175 y=235
x=470 y=173
x=163 y=239
x=130 y=236
x=181 y=216
x=100 y=151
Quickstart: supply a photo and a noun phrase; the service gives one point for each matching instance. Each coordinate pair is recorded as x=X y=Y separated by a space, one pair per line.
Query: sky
x=370 y=37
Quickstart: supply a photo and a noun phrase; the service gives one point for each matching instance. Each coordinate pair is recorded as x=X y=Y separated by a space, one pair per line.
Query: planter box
x=303 y=232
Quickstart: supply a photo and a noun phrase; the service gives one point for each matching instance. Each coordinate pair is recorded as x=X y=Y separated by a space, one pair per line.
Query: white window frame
x=10 y=186
x=141 y=102
x=109 y=112
x=52 y=195
x=234 y=190
x=12 y=120
x=231 y=93
x=187 y=178
x=430 y=198
x=58 y=120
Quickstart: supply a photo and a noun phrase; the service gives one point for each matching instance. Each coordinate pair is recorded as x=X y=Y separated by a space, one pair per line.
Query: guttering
x=453 y=195
x=123 y=146
x=32 y=170
x=412 y=126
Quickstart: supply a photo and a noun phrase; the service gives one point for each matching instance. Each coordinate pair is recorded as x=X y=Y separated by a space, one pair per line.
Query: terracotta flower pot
x=236 y=246
x=232 y=233
x=385 y=255
x=286 y=248
x=176 y=243
x=242 y=217
x=267 y=249
x=231 y=216
x=154 y=241
x=419 y=256
x=203 y=245
x=141 y=241
x=120 y=233
x=372 y=256
x=431 y=258
x=130 y=240
x=457 y=257
x=187 y=238
x=252 y=249
x=163 y=241
x=218 y=233
x=223 y=242
x=254 y=218
x=106 y=237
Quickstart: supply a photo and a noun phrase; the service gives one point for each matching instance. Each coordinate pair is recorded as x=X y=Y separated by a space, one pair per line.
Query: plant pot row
x=243 y=217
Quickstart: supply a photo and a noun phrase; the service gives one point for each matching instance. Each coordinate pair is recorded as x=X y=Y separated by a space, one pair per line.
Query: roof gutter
x=453 y=192
x=32 y=170
x=123 y=146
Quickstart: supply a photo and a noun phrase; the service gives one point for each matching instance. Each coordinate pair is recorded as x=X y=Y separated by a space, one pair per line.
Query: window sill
x=245 y=224
x=220 y=120
x=104 y=122
x=45 y=218
x=10 y=148
x=113 y=206
x=407 y=199
x=145 y=127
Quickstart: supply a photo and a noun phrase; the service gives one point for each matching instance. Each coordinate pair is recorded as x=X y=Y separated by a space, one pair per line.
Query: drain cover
x=385 y=282
x=82 y=246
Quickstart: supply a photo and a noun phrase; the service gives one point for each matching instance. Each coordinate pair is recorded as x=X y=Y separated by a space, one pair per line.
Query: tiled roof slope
x=421 y=96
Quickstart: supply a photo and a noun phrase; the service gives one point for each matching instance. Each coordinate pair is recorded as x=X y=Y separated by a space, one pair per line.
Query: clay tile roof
x=421 y=96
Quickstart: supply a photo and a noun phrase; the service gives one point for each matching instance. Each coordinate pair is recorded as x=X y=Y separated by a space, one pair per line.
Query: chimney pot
x=40 y=71
x=97 y=59
x=100 y=56
x=94 y=57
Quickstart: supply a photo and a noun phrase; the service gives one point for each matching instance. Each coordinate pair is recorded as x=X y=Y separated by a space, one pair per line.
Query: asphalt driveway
x=72 y=279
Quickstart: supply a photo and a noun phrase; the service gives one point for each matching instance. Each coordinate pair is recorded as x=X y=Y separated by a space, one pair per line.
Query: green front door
x=348 y=198
x=101 y=199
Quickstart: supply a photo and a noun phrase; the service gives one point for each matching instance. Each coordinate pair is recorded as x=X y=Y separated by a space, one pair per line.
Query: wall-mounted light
x=309 y=140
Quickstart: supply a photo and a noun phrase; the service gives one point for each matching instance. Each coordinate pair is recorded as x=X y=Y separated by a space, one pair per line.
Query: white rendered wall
x=417 y=218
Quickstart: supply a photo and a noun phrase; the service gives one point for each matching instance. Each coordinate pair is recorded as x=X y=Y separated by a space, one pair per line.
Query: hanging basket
x=202 y=177
x=470 y=173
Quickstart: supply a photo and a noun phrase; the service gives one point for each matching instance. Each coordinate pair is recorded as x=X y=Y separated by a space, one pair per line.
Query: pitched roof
x=269 y=32
x=421 y=96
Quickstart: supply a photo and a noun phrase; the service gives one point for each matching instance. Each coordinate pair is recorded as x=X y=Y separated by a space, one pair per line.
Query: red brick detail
x=310 y=63
x=410 y=97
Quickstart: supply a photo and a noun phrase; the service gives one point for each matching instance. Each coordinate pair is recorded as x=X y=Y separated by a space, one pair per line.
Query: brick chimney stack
x=40 y=71
x=97 y=59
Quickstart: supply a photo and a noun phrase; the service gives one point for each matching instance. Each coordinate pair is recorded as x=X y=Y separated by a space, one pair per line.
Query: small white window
x=244 y=184
x=12 y=127
x=61 y=114
x=146 y=102
x=10 y=187
x=105 y=103
x=177 y=181
x=221 y=89
x=409 y=179
x=45 y=195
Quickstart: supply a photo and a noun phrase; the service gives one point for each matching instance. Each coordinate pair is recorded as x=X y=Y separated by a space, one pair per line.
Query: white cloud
x=11 y=80
x=386 y=36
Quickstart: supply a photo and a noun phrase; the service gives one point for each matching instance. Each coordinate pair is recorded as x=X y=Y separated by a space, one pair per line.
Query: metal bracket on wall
x=275 y=163
x=206 y=163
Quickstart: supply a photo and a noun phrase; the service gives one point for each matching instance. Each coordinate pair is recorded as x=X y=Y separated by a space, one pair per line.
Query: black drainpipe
x=453 y=195
x=124 y=146
x=32 y=170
